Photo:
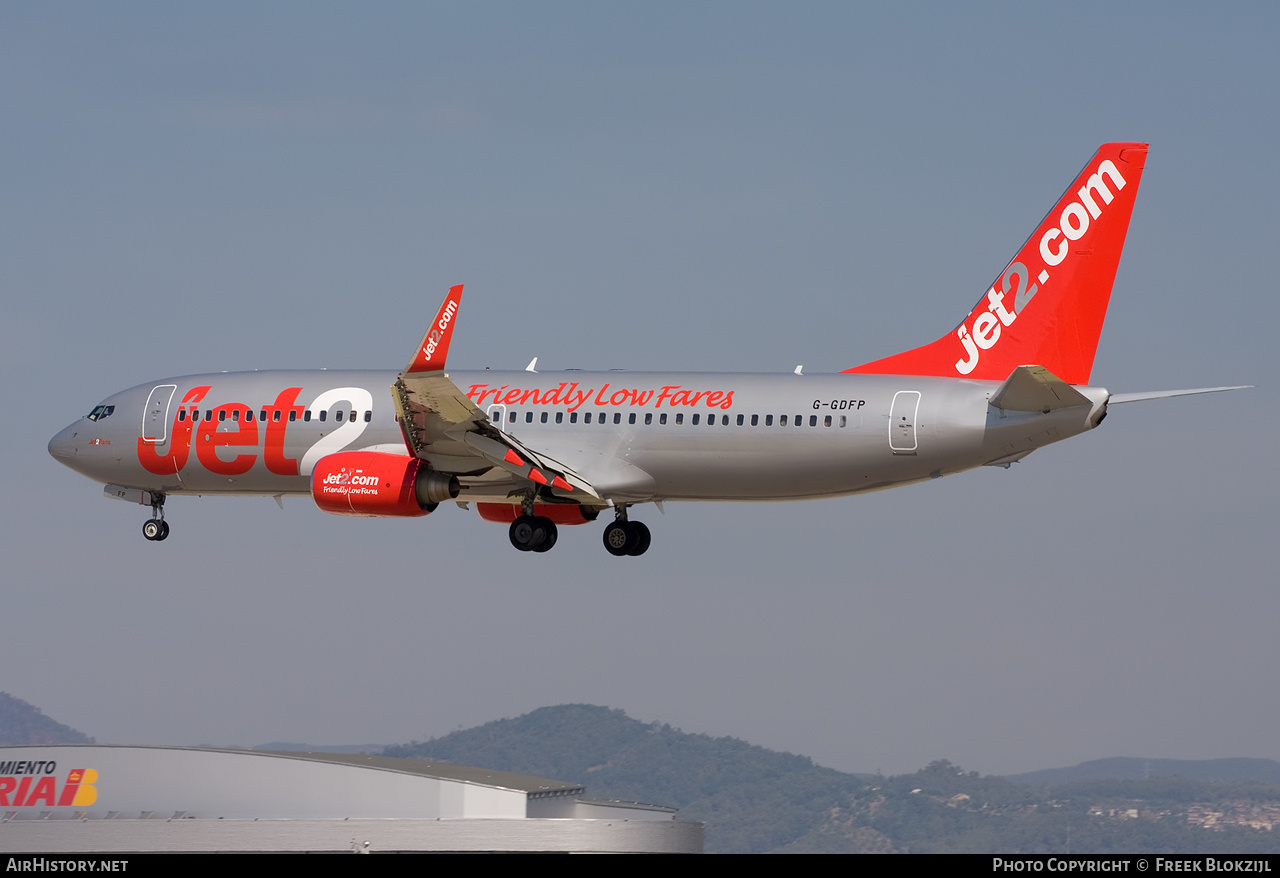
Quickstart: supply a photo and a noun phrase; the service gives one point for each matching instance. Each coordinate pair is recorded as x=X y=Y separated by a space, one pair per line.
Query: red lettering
x=600 y=400
x=6 y=787
x=72 y=784
x=20 y=797
x=209 y=440
x=576 y=397
x=553 y=397
x=46 y=789
x=273 y=453
x=175 y=458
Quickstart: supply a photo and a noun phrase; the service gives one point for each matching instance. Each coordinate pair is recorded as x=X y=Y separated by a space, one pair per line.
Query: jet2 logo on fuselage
x=235 y=426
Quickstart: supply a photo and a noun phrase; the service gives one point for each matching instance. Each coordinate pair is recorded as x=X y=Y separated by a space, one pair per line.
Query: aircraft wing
x=438 y=420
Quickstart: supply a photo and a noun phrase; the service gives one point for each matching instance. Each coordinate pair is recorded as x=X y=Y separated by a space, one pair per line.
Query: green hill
x=750 y=798
x=754 y=800
x=1133 y=768
x=23 y=724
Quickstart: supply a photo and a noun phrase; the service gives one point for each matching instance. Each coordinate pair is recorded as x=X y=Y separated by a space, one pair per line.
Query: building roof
x=507 y=780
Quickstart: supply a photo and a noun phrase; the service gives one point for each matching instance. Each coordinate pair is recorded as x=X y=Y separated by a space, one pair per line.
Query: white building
x=72 y=798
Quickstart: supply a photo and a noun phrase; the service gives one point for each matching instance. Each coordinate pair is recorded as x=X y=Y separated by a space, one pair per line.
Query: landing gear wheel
x=552 y=533
x=627 y=538
x=529 y=532
x=616 y=538
x=156 y=528
x=640 y=538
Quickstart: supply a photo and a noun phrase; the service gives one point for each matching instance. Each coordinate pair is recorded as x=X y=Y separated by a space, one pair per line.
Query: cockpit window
x=101 y=411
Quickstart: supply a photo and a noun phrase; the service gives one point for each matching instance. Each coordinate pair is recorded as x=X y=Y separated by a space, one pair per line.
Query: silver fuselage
x=635 y=436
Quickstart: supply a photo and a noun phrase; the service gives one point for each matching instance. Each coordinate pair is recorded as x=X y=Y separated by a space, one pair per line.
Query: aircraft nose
x=63 y=446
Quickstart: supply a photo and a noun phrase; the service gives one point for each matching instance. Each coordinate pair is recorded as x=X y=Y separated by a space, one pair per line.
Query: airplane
x=538 y=451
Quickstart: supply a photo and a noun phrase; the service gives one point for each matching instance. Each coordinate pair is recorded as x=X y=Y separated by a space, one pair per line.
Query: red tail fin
x=1048 y=305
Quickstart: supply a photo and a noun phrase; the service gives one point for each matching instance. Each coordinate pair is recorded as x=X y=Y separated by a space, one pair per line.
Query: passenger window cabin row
x=678 y=419
x=275 y=415
x=694 y=420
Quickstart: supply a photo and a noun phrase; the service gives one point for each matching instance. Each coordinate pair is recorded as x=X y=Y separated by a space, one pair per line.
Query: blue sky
x=712 y=186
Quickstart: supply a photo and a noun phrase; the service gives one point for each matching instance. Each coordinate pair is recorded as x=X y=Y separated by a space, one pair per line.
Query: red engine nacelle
x=560 y=513
x=376 y=484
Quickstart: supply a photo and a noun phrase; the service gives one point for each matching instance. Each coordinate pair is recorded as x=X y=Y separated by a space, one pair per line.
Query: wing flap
x=521 y=461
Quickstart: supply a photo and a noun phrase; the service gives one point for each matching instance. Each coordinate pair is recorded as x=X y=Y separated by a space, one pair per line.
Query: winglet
x=435 y=344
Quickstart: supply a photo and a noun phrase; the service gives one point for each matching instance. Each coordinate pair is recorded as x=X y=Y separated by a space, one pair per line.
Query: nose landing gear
x=156 y=528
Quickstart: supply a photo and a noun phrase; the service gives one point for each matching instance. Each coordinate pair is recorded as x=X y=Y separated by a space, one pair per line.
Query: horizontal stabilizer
x=1117 y=398
x=1035 y=389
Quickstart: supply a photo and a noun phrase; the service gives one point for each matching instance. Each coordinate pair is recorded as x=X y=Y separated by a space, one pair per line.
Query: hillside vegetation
x=22 y=724
x=754 y=800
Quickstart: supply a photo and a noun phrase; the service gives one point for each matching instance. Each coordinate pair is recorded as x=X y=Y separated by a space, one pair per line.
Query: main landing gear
x=533 y=533
x=156 y=528
x=537 y=533
x=625 y=537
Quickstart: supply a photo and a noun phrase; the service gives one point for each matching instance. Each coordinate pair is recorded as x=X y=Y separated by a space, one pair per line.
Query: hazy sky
x=706 y=186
